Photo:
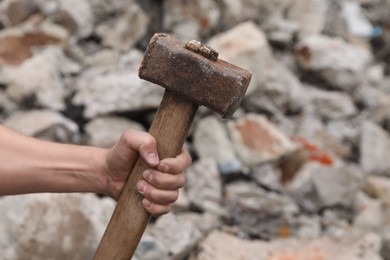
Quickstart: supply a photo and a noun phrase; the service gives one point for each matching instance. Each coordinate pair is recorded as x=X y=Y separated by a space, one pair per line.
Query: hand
x=162 y=181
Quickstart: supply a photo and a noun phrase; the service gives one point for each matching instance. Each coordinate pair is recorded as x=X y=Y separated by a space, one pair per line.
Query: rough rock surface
x=258 y=141
x=339 y=63
x=103 y=92
x=52 y=226
x=52 y=125
x=105 y=131
x=300 y=171
x=214 y=247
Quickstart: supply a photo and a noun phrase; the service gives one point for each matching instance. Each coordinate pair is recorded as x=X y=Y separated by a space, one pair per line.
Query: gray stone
x=41 y=79
x=81 y=12
x=301 y=188
x=105 y=131
x=13 y=12
x=177 y=244
x=124 y=31
x=374 y=149
x=371 y=97
x=260 y=11
x=258 y=141
x=182 y=203
x=45 y=124
x=190 y=19
x=52 y=226
x=338 y=185
x=331 y=105
x=7 y=106
x=219 y=245
x=257 y=212
x=205 y=222
x=204 y=186
x=371 y=218
x=279 y=30
x=246 y=46
x=310 y=15
x=211 y=140
x=104 y=8
x=106 y=58
x=335 y=223
x=373 y=215
x=345 y=130
x=340 y=64
x=106 y=91
x=280 y=91
x=309 y=124
x=268 y=175
x=357 y=24
x=317 y=186
x=309 y=227
x=378 y=187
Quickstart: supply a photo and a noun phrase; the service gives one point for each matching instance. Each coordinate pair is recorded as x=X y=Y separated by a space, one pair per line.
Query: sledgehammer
x=192 y=75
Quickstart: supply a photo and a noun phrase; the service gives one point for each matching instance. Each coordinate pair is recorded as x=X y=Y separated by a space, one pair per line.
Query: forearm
x=29 y=165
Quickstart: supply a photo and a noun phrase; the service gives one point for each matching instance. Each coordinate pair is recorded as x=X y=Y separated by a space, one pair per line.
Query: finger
x=164 y=181
x=175 y=165
x=157 y=196
x=156 y=209
x=142 y=143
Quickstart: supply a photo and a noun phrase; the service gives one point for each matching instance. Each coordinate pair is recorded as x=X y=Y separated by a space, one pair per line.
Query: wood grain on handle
x=129 y=220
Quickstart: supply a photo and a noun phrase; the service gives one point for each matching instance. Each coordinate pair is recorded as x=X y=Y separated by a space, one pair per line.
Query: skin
x=29 y=165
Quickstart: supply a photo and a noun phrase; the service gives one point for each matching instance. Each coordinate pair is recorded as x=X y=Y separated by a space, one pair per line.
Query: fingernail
x=141 y=187
x=146 y=203
x=148 y=175
x=163 y=167
x=152 y=158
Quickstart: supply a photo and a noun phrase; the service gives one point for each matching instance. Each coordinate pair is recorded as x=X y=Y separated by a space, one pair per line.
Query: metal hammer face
x=186 y=71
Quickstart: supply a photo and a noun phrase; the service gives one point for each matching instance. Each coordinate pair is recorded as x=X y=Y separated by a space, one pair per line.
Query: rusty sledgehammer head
x=193 y=71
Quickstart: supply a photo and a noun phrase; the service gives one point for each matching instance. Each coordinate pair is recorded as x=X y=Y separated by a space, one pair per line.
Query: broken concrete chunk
x=204 y=186
x=105 y=131
x=257 y=140
x=45 y=124
x=374 y=149
x=190 y=19
x=124 y=31
x=118 y=90
x=41 y=81
x=341 y=64
x=79 y=218
x=211 y=140
x=219 y=245
x=246 y=46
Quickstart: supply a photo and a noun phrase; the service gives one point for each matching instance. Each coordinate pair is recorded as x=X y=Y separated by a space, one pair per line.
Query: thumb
x=142 y=143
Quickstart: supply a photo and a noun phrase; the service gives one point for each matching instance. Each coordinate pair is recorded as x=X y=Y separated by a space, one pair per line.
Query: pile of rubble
x=302 y=170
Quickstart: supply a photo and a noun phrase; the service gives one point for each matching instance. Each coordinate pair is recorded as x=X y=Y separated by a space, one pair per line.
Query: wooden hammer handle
x=129 y=220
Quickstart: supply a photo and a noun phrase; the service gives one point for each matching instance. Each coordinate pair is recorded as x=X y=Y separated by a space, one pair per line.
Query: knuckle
x=148 y=139
x=153 y=195
x=126 y=137
x=158 y=180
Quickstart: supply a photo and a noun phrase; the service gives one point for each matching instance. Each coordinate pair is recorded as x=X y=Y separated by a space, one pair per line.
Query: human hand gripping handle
x=130 y=218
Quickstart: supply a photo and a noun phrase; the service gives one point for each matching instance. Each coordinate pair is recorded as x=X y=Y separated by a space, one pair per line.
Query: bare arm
x=29 y=165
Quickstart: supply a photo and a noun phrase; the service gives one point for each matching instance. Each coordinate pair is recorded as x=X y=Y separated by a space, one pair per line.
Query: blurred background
x=301 y=171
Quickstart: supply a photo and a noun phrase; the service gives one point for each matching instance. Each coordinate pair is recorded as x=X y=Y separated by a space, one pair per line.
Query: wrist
x=97 y=171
